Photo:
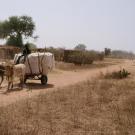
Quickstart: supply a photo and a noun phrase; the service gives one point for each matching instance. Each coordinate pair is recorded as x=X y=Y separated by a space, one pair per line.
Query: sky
x=67 y=23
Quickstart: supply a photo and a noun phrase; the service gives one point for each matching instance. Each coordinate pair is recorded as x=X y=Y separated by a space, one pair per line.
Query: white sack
x=39 y=62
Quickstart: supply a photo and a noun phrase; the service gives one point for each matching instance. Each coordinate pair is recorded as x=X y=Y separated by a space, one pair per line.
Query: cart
x=39 y=75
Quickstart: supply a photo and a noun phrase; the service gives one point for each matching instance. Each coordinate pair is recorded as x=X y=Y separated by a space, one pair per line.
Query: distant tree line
x=122 y=54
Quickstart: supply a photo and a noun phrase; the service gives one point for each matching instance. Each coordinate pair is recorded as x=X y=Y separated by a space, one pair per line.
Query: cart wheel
x=44 y=79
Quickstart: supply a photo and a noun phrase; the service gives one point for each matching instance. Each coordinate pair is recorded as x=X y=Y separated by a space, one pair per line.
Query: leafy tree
x=80 y=47
x=15 y=29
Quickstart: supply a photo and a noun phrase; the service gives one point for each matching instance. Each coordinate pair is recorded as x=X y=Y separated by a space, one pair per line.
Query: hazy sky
x=66 y=23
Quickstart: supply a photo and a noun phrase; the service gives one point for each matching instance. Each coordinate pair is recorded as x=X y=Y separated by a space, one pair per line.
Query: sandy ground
x=56 y=79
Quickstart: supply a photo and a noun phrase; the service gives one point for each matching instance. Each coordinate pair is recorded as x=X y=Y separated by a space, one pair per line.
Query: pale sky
x=66 y=23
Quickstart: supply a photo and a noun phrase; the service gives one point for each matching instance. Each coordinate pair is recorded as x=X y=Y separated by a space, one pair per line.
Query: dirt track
x=56 y=79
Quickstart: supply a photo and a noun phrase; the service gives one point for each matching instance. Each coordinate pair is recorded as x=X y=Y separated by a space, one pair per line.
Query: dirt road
x=57 y=79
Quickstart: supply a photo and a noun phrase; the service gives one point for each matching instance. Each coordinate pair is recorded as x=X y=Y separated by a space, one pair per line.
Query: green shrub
x=81 y=58
x=69 y=55
x=118 y=74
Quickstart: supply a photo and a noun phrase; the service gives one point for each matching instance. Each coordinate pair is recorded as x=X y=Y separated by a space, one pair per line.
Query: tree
x=15 y=29
x=80 y=47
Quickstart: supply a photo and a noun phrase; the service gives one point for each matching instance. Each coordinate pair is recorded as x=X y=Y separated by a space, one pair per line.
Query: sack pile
x=37 y=63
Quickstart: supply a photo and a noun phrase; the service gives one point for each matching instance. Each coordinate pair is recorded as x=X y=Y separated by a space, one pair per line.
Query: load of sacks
x=37 y=63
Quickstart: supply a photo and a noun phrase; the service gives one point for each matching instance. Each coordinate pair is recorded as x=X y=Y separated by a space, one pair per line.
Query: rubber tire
x=44 y=79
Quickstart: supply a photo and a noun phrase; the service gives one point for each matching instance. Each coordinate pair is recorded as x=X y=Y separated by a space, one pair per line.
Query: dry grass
x=98 y=107
x=96 y=64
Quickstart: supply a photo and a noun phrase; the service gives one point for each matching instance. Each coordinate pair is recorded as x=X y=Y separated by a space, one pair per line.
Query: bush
x=118 y=74
x=81 y=58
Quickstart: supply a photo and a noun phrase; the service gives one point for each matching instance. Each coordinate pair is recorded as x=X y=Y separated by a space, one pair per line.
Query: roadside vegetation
x=98 y=107
x=96 y=64
x=74 y=56
x=122 y=54
x=121 y=74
